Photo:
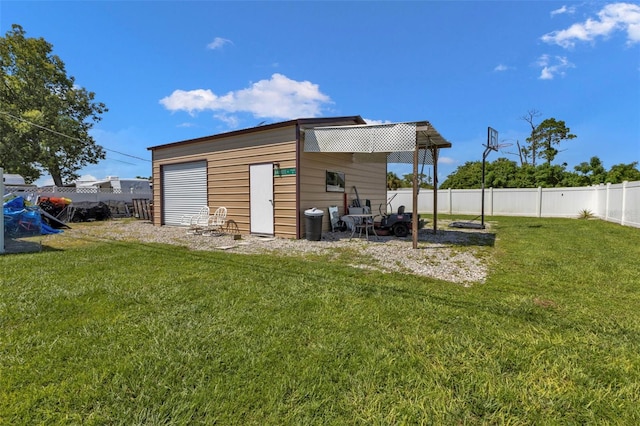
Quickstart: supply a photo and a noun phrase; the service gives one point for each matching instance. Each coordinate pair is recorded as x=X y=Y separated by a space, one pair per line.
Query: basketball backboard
x=492 y=138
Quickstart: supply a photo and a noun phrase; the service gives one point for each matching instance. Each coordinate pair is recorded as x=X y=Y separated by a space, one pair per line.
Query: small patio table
x=362 y=221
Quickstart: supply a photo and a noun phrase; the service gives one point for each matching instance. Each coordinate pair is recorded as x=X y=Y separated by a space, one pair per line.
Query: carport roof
x=399 y=140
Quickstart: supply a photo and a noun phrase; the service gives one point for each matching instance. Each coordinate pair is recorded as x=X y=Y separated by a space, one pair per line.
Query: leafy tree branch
x=45 y=117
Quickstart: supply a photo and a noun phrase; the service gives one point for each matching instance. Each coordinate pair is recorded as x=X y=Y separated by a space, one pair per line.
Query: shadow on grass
x=26 y=247
x=441 y=236
x=458 y=238
x=22 y=245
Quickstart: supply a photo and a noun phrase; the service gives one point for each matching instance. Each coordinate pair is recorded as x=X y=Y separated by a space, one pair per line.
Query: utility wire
x=70 y=137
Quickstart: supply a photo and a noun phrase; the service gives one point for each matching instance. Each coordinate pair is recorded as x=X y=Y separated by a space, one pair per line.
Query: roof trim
x=297 y=122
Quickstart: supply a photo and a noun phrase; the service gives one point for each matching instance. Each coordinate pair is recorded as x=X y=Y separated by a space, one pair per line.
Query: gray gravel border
x=458 y=256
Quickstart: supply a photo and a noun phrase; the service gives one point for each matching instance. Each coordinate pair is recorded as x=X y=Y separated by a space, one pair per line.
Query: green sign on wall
x=289 y=171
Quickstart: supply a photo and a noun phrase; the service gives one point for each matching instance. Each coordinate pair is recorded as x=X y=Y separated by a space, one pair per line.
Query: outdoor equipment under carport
x=413 y=142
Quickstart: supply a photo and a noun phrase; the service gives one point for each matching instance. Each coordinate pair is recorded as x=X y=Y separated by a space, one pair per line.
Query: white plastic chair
x=216 y=221
x=197 y=222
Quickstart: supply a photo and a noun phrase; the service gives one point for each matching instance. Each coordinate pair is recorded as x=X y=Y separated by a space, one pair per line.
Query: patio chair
x=196 y=223
x=334 y=218
x=216 y=222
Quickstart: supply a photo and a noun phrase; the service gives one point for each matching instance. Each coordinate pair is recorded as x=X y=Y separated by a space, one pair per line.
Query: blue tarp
x=46 y=229
x=21 y=220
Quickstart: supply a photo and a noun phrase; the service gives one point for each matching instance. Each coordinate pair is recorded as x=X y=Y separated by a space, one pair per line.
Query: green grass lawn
x=104 y=332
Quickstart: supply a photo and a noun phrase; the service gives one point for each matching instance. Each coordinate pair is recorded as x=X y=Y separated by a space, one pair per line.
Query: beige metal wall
x=370 y=179
x=228 y=161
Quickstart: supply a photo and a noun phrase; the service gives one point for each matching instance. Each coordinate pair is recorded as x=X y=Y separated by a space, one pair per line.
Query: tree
x=44 y=117
x=591 y=173
x=548 y=134
x=621 y=172
x=549 y=175
x=468 y=176
x=393 y=181
x=424 y=181
x=594 y=173
x=531 y=151
x=543 y=139
x=502 y=173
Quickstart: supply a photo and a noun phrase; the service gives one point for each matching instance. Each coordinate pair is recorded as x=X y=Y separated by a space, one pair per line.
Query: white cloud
x=190 y=101
x=502 y=67
x=613 y=17
x=373 y=122
x=552 y=66
x=230 y=120
x=563 y=9
x=546 y=74
x=278 y=97
x=543 y=60
x=446 y=160
x=87 y=177
x=218 y=43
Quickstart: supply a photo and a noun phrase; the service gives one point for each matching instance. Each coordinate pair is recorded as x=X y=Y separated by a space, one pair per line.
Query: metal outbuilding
x=267 y=176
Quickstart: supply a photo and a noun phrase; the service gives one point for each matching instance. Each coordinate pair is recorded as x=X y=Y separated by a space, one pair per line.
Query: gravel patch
x=458 y=256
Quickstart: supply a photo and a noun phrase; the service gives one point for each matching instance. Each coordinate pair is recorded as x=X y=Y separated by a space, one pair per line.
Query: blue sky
x=170 y=71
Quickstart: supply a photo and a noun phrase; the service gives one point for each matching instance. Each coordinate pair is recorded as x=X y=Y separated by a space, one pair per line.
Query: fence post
x=539 y=202
x=606 y=202
x=491 y=201
x=624 y=201
x=450 y=201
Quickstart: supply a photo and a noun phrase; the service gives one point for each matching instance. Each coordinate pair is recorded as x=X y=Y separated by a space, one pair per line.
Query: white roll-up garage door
x=184 y=190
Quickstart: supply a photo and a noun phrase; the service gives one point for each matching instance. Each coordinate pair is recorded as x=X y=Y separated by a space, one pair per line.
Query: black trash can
x=314 y=224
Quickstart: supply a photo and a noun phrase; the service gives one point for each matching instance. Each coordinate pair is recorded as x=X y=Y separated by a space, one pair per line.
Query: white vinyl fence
x=619 y=203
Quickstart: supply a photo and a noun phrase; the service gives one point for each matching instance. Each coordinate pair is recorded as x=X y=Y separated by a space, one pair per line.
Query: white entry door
x=261 y=202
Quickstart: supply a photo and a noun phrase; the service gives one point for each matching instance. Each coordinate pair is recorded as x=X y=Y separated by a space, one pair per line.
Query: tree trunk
x=57 y=179
x=520 y=153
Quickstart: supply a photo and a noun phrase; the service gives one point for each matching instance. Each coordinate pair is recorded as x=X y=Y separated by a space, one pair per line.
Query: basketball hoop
x=492 y=139
x=499 y=147
x=492 y=145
